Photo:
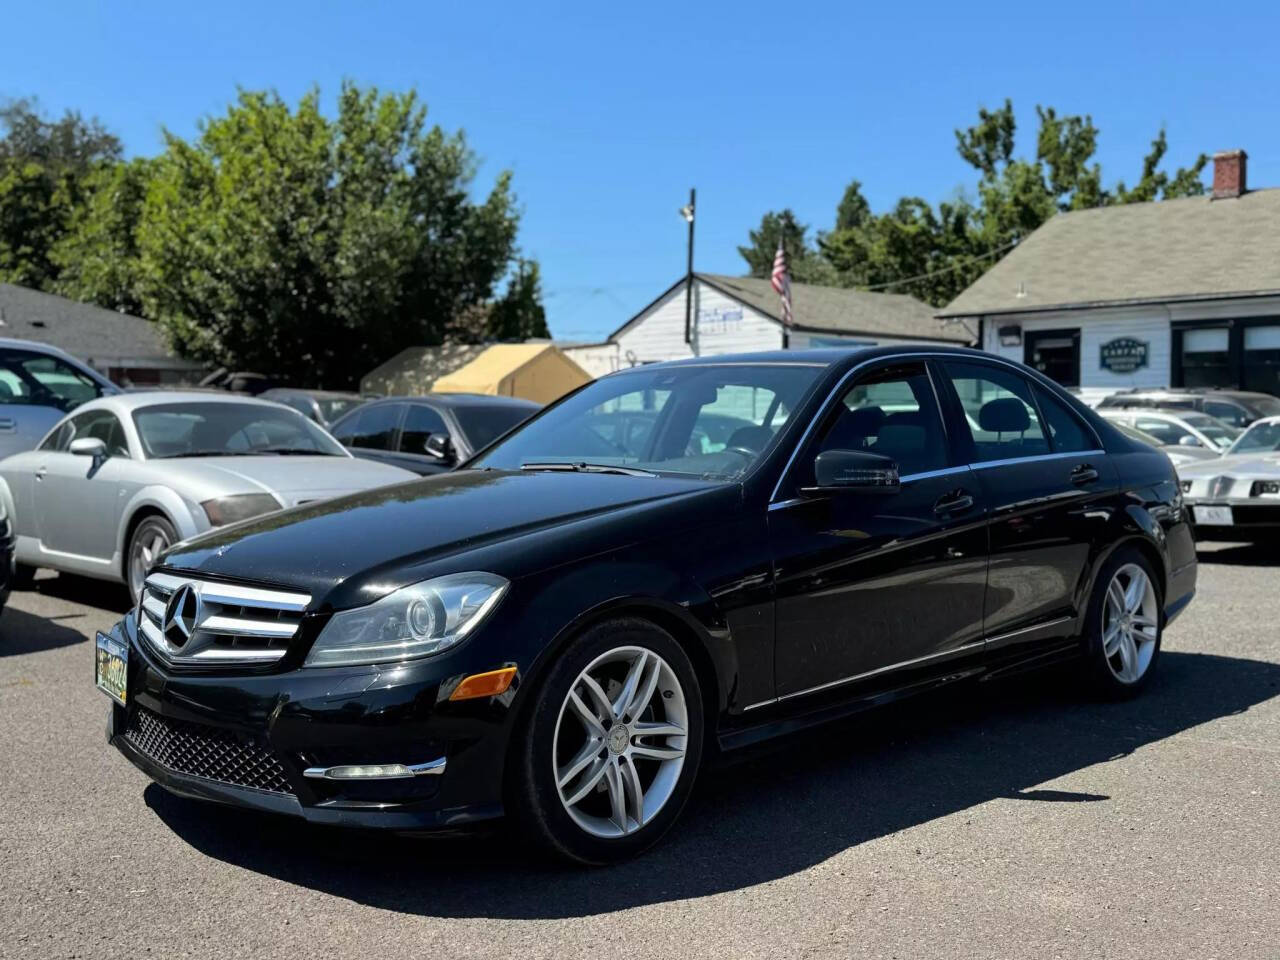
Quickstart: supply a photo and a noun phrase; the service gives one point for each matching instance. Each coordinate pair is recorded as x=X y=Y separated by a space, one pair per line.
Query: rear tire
x=1124 y=626
x=609 y=748
x=151 y=537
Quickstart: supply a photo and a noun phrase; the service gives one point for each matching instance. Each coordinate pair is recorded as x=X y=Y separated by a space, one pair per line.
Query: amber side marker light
x=484 y=684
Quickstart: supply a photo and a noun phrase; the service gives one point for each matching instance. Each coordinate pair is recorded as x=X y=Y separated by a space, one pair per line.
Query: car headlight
x=419 y=620
x=224 y=510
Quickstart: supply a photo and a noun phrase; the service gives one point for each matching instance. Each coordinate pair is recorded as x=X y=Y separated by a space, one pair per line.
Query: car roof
x=313 y=394
x=817 y=356
x=459 y=400
x=128 y=402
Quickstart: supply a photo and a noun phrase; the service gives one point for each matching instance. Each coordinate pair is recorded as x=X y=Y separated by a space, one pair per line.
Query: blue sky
x=607 y=117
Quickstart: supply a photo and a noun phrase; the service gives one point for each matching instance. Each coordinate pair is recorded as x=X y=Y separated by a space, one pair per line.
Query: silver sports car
x=122 y=478
x=1237 y=496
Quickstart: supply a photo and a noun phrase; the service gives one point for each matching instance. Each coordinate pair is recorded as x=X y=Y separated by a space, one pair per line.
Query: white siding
x=1149 y=324
x=723 y=325
x=595 y=358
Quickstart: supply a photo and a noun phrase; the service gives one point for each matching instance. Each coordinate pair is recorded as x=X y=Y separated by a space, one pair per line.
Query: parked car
x=1238 y=408
x=1237 y=496
x=429 y=434
x=322 y=406
x=113 y=485
x=563 y=634
x=38 y=385
x=1184 y=428
x=1178 y=453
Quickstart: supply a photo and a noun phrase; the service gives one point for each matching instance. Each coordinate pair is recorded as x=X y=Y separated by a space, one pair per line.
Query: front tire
x=1125 y=626
x=151 y=537
x=613 y=740
x=24 y=576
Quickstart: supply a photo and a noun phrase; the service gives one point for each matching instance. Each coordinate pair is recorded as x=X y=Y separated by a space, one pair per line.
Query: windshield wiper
x=581 y=467
x=205 y=453
x=294 y=452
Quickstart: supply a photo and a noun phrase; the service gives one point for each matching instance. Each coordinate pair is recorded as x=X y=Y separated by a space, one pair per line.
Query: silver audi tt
x=122 y=478
x=1237 y=496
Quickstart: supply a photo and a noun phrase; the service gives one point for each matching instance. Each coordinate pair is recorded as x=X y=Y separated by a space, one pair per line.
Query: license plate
x=1214 y=516
x=112 y=668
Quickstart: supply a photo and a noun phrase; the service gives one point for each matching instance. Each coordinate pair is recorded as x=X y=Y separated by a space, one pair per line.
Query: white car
x=1237 y=496
x=39 y=385
x=1184 y=428
x=120 y=480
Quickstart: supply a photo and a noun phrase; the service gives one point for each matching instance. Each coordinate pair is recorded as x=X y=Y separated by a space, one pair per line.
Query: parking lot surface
x=1016 y=818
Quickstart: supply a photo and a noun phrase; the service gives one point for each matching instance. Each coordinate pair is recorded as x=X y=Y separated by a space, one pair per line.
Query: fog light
x=376 y=771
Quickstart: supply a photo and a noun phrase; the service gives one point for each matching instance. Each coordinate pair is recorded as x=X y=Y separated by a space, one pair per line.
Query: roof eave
x=949 y=313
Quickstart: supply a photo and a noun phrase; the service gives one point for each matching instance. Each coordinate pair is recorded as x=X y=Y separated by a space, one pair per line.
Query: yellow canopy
x=535 y=371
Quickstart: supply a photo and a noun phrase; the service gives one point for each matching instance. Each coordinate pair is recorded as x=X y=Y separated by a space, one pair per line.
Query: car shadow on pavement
x=1241 y=554
x=22 y=632
x=780 y=812
x=103 y=594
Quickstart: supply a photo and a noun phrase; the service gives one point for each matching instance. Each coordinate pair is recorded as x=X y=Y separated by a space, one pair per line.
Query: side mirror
x=1186 y=440
x=439 y=445
x=854 y=471
x=89 y=447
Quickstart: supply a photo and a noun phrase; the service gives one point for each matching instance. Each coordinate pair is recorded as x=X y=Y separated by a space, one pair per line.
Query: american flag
x=781 y=281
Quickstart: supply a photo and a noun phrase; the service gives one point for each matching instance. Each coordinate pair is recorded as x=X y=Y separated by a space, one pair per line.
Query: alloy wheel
x=620 y=742
x=1130 y=626
x=148 y=543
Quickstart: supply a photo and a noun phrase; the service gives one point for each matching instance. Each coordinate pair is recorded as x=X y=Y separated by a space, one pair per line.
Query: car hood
x=1237 y=465
x=380 y=539
x=293 y=480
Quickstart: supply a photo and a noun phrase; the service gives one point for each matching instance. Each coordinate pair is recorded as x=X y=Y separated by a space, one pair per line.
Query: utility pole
x=688 y=213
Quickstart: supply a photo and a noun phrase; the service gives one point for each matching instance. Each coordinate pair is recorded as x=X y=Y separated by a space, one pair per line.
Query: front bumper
x=1252 y=519
x=247 y=739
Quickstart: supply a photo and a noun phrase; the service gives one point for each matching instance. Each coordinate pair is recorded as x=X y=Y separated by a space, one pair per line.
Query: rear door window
x=375 y=427
x=999 y=412
x=1067 y=433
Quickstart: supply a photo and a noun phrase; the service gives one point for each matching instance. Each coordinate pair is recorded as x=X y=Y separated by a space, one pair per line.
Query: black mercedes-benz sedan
x=566 y=628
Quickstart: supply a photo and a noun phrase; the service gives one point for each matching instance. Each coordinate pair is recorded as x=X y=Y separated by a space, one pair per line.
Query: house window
x=1206 y=357
x=1262 y=358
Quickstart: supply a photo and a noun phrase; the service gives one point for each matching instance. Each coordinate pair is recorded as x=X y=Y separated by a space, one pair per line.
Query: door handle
x=7 y=425
x=955 y=502
x=1084 y=473
x=41 y=471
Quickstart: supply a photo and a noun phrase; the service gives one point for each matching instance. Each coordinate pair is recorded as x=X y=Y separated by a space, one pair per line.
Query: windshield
x=1218 y=432
x=1260 y=438
x=228 y=430
x=1266 y=406
x=484 y=424
x=331 y=408
x=706 y=421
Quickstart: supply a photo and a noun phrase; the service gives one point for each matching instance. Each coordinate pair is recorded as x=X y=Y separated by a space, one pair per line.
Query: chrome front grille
x=191 y=621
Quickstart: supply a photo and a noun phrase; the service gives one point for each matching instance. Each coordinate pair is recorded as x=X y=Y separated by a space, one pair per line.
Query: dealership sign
x=1125 y=354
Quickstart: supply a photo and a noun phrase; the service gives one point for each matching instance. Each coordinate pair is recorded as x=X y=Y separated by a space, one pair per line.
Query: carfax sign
x=1124 y=354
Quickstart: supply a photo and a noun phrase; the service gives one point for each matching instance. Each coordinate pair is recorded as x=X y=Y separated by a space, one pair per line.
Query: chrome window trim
x=1009 y=461
x=992 y=359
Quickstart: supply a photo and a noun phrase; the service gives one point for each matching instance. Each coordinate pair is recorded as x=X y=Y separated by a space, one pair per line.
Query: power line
x=938 y=273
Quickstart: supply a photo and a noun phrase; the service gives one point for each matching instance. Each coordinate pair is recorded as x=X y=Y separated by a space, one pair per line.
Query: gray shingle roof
x=101 y=337
x=1187 y=249
x=817 y=308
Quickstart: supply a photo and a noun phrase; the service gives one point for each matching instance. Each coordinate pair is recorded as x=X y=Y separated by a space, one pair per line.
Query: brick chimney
x=1228 y=174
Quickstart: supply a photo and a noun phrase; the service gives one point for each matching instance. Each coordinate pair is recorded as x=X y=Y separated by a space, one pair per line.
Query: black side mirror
x=854 y=471
x=439 y=445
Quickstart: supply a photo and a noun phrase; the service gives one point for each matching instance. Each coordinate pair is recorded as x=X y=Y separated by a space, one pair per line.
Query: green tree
x=283 y=241
x=803 y=262
x=44 y=170
x=519 y=314
x=97 y=256
x=934 y=254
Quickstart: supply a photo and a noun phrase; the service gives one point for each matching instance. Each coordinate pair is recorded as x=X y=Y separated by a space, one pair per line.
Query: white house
x=743 y=314
x=1182 y=293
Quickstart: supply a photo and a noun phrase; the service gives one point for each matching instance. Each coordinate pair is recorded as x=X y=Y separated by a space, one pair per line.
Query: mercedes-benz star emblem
x=181 y=615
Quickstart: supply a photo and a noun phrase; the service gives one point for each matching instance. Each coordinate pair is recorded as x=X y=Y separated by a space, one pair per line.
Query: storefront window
x=1206 y=358
x=1262 y=359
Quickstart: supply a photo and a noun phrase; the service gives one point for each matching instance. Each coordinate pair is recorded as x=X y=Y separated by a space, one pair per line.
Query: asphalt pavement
x=1012 y=819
